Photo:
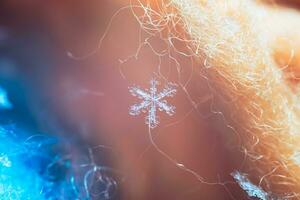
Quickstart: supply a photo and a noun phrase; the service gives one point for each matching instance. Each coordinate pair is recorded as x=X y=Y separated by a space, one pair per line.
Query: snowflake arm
x=136 y=109
x=164 y=106
x=141 y=94
x=169 y=91
x=151 y=118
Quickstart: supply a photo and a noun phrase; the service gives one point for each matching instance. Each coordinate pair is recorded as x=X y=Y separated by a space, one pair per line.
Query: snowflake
x=251 y=189
x=151 y=100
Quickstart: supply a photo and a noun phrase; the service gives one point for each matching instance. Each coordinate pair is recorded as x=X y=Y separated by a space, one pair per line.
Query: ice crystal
x=251 y=189
x=152 y=100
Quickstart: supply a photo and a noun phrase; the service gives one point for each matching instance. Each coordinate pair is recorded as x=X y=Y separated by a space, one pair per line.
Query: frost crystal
x=251 y=189
x=151 y=100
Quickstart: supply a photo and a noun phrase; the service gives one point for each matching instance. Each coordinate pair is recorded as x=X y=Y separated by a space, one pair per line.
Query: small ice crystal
x=251 y=189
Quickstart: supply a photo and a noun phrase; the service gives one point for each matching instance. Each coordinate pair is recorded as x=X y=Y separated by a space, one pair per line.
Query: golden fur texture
x=250 y=55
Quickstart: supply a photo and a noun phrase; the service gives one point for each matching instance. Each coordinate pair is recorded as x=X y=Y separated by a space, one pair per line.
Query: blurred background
x=63 y=83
